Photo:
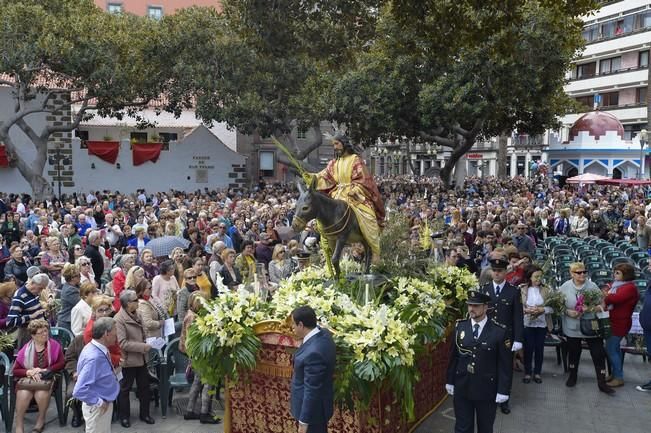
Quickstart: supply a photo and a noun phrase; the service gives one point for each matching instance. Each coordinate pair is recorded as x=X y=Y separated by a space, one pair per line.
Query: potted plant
x=107 y=138
x=155 y=138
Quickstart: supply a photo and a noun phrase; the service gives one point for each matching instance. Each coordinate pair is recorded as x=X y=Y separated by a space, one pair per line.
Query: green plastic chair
x=641 y=285
x=5 y=392
x=173 y=377
x=62 y=336
x=639 y=255
x=601 y=274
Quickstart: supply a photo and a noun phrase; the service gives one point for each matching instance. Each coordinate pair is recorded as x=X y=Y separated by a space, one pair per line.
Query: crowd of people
x=73 y=261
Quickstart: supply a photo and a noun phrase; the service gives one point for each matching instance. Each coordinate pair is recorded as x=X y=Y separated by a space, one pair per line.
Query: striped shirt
x=23 y=304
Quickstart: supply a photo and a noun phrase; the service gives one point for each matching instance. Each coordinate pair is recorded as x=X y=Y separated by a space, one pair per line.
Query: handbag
x=29 y=384
x=596 y=325
x=589 y=325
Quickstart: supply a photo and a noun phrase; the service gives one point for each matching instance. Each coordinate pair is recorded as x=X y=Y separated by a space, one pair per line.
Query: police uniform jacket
x=507 y=309
x=480 y=369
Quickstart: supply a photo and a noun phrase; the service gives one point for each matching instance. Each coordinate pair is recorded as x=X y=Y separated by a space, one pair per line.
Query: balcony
x=629 y=77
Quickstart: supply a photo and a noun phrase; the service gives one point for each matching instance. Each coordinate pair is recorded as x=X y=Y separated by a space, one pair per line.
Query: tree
x=104 y=62
x=266 y=67
x=461 y=72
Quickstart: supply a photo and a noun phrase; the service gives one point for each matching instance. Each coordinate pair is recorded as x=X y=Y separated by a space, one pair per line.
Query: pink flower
x=579 y=304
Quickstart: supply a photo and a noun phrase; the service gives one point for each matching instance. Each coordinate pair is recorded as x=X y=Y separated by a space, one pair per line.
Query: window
x=114 y=8
x=83 y=136
x=640 y=95
x=166 y=137
x=586 y=70
x=155 y=12
x=138 y=137
x=267 y=163
x=301 y=133
x=610 y=99
x=643 y=59
x=590 y=33
x=588 y=101
x=608 y=66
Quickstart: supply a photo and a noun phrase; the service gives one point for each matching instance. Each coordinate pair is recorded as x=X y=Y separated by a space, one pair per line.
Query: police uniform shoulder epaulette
x=499 y=324
x=463 y=320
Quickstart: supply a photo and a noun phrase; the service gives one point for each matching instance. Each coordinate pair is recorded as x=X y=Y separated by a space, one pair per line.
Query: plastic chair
x=57 y=392
x=618 y=260
x=5 y=392
x=641 y=285
x=62 y=336
x=632 y=249
x=609 y=256
x=173 y=374
x=592 y=258
x=639 y=255
x=601 y=274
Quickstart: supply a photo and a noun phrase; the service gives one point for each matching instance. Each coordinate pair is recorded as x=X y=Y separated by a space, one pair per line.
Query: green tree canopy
x=106 y=62
x=462 y=71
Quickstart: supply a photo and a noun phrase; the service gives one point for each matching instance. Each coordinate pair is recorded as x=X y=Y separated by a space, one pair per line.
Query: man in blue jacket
x=312 y=397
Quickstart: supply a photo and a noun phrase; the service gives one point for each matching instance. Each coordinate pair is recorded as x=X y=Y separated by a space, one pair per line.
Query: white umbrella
x=586 y=178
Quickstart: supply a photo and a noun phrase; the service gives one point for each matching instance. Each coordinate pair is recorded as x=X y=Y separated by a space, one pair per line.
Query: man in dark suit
x=506 y=308
x=480 y=369
x=312 y=397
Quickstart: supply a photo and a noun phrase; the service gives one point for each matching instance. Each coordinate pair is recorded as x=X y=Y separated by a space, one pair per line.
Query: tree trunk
x=502 y=142
x=462 y=147
x=32 y=173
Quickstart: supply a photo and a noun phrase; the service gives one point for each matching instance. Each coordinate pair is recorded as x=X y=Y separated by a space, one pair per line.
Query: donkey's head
x=306 y=207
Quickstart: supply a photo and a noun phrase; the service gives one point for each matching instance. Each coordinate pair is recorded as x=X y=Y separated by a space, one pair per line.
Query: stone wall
x=238 y=177
x=59 y=146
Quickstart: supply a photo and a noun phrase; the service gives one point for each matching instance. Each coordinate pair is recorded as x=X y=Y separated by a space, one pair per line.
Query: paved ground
x=546 y=408
x=551 y=407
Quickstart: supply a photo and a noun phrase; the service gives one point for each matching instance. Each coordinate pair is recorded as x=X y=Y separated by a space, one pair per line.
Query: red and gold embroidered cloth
x=259 y=402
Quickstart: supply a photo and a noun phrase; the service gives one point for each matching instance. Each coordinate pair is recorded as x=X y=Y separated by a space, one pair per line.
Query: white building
x=611 y=74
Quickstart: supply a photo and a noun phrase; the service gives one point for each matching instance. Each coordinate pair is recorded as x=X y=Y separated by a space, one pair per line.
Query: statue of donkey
x=338 y=222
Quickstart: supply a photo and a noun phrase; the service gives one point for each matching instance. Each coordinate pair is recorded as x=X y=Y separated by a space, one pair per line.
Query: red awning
x=629 y=182
x=4 y=161
x=106 y=150
x=146 y=152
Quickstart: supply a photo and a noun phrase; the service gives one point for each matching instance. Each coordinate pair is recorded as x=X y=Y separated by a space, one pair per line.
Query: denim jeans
x=615 y=356
x=647 y=339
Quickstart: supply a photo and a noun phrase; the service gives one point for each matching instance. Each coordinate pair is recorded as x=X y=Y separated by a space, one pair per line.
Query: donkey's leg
x=336 y=255
x=368 y=255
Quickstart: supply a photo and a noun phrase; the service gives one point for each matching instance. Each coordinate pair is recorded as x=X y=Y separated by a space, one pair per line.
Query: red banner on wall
x=4 y=161
x=106 y=150
x=146 y=152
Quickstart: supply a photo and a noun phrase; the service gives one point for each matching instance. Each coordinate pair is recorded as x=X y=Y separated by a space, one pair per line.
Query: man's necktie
x=498 y=289
x=475 y=332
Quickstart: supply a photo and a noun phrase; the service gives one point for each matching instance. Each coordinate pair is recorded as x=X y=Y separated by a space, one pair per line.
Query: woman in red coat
x=620 y=300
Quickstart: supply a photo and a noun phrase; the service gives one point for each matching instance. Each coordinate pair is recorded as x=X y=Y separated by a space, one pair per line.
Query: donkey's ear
x=299 y=185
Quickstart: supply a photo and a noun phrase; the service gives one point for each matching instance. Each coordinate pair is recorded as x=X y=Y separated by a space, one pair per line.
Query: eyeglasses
x=193 y=277
x=84 y=264
x=579 y=272
x=104 y=310
x=77 y=248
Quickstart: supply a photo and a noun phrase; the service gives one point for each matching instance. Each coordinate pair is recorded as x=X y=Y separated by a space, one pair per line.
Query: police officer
x=480 y=370
x=507 y=308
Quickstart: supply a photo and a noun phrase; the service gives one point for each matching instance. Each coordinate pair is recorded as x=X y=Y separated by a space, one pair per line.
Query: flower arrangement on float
x=377 y=337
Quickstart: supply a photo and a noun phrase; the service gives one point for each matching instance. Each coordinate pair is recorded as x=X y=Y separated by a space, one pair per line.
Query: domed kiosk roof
x=596 y=123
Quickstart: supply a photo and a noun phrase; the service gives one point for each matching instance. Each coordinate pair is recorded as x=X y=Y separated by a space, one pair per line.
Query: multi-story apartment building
x=153 y=8
x=612 y=75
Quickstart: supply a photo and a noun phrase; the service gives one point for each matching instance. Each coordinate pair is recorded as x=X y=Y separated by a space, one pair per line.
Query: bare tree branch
x=67 y=128
x=318 y=140
x=28 y=130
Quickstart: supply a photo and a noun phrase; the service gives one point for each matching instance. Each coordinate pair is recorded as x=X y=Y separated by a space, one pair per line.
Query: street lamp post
x=643 y=142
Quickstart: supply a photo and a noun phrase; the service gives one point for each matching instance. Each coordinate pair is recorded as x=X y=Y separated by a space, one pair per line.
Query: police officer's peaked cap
x=476 y=297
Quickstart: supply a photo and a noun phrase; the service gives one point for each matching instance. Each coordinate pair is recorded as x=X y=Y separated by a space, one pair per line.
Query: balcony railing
x=602 y=74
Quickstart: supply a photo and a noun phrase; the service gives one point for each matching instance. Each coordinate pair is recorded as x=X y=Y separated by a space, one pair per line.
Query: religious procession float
x=390 y=329
x=390 y=326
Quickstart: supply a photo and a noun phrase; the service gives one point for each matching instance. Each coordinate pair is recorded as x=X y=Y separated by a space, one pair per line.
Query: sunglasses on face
x=579 y=272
